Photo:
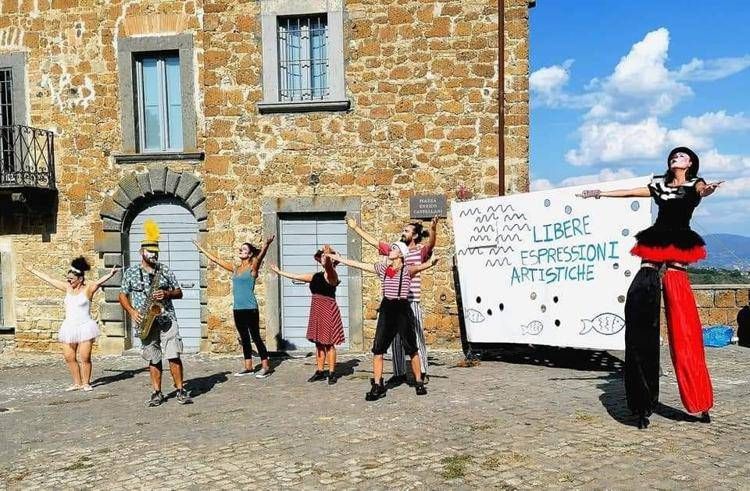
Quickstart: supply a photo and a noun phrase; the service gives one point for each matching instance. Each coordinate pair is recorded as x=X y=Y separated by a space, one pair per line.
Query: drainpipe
x=501 y=101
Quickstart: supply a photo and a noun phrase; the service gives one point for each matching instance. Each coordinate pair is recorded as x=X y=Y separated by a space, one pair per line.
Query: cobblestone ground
x=529 y=418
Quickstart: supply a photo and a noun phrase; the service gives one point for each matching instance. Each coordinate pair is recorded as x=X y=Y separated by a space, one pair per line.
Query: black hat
x=694 y=160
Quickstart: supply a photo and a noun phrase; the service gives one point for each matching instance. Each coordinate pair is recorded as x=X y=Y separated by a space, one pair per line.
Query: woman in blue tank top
x=246 y=315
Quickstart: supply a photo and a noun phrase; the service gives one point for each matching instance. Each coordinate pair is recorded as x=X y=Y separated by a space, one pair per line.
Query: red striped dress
x=324 y=325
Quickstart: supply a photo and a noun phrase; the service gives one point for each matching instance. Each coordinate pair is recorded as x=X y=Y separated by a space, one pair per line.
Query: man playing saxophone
x=147 y=283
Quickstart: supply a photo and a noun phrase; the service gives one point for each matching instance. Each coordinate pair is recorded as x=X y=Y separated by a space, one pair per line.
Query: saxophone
x=151 y=309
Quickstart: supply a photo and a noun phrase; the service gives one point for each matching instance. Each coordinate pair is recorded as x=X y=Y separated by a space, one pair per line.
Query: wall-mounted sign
x=427 y=206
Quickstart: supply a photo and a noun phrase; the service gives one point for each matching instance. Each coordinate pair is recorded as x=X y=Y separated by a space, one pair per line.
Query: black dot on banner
x=533 y=296
x=635 y=206
x=568 y=210
x=625 y=232
x=616 y=265
x=479 y=299
x=627 y=273
x=621 y=299
x=544 y=308
x=489 y=311
x=547 y=203
x=557 y=322
x=501 y=307
x=555 y=299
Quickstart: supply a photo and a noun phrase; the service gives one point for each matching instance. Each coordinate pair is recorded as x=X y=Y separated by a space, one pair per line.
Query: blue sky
x=616 y=84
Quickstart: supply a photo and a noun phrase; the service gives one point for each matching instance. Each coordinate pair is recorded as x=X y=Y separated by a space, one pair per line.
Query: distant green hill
x=710 y=276
x=727 y=251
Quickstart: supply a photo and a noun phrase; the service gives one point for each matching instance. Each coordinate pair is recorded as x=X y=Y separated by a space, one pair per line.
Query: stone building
x=230 y=121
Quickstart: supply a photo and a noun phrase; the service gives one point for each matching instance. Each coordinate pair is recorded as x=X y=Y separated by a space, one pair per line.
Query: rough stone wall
x=717 y=304
x=422 y=77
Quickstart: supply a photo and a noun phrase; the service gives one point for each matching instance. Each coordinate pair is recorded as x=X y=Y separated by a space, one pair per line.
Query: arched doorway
x=178 y=229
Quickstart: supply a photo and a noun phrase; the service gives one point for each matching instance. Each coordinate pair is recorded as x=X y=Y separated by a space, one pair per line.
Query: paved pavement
x=552 y=418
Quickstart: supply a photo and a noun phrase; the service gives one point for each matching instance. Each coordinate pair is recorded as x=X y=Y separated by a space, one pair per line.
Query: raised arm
x=367 y=237
x=432 y=239
x=707 y=189
x=418 y=268
x=354 y=264
x=641 y=192
x=224 y=264
x=259 y=260
x=307 y=277
x=93 y=287
x=60 y=285
x=331 y=276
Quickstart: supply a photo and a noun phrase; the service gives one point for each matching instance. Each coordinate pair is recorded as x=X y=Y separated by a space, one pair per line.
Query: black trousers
x=395 y=316
x=247 y=323
x=642 y=341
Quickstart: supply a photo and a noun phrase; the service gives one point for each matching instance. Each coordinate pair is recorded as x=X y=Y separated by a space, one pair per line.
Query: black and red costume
x=670 y=240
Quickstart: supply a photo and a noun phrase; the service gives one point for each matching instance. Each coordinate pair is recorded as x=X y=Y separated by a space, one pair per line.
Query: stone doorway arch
x=133 y=193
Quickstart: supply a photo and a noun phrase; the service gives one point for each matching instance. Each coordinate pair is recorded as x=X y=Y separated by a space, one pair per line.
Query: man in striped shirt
x=411 y=235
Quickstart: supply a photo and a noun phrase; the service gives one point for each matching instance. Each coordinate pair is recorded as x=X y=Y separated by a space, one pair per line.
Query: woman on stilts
x=670 y=242
x=324 y=326
x=78 y=330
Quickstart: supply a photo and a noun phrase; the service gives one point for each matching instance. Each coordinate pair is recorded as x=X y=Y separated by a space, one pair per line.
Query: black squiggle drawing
x=484 y=228
x=470 y=252
x=516 y=226
x=471 y=212
x=496 y=250
x=502 y=208
x=480 y=238
x=508 y=238
x=487 y=218
x=514 y=216
x=490 y=263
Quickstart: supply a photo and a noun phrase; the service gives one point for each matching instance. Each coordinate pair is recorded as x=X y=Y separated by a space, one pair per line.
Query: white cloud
x=604 y=175
x=715 y=122
x=550 y=79
x=708 y=70
x=712 y=161
x=615 y=141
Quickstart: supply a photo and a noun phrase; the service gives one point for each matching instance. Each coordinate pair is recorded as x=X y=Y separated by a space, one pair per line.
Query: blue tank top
x=243 y=289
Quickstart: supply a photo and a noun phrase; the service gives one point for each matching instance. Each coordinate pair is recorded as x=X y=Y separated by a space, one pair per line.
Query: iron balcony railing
x=27 y=157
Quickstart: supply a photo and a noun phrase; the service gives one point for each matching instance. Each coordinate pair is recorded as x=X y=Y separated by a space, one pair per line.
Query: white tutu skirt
x=78 y=332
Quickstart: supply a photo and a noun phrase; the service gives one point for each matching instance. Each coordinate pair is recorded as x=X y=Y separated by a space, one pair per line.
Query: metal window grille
x=6 y=119
x=159 y=111
x=303 y=58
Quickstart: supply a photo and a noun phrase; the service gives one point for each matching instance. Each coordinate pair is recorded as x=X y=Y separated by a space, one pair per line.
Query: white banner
x=548 y=267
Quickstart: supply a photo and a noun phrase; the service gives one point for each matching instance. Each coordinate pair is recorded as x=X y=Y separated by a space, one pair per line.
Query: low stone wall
x=7 y=342
x=718 y=304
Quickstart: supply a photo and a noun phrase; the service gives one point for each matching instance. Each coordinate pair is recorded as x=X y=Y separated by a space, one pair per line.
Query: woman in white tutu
x=78 y=330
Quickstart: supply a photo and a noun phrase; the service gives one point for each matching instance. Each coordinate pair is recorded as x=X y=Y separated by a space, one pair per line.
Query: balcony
x=27 y=160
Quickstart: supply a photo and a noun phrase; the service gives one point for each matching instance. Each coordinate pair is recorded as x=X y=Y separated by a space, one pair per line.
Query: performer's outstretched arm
x=421 y=267
x=354 y=264
x=367 y=237
x=93 y=287
x=60 y=285
x=433 y=233
x=224 y=264
x=641 y=192
x=707 y=189
x=307 y=277
x=259 y=259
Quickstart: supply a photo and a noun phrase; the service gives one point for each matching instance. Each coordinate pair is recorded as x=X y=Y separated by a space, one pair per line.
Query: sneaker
x=377 y=391
x=318 y=375
x=263 y=373
x=244 y=372
x=420 y=389
x=425 y=378
x=332 y=379
x=72 y=388
x=87 y=388
x=157 y=398
x=183 y=397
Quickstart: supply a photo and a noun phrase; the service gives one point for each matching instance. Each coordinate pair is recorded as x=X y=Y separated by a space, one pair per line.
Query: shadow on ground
x=120 y=375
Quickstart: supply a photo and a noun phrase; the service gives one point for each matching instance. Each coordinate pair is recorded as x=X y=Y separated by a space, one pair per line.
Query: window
x=157 y=86
x=159 y=102
x=6 y=125
x=303 y=56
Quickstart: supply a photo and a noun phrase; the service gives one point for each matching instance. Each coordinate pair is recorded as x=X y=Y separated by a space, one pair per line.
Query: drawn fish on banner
x=533 y=328
x=475 y=315
x=606 y=324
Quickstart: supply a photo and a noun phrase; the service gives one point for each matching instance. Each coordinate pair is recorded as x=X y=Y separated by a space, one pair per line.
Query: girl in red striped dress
x=324 y=327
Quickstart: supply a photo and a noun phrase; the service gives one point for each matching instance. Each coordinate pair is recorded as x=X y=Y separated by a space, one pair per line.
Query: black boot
x=643 y=421
x=377 y=391
x=704 y=417
x=318 y=375
x=332 y=378
x=420 y=389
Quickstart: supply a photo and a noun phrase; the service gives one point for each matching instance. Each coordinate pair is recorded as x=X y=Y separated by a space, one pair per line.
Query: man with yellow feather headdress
x=150 y=277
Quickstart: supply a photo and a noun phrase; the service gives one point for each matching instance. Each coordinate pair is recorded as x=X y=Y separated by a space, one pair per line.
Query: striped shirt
x=391 y=283
x=416 y=256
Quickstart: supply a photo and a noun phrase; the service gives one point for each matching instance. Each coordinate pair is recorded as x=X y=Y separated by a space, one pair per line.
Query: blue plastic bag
x=717 y=336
